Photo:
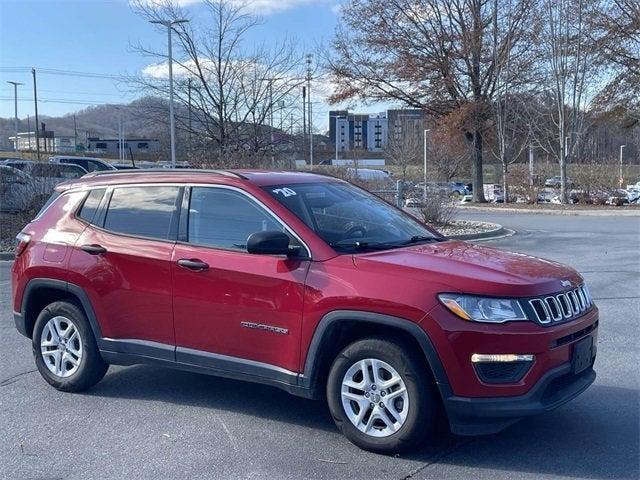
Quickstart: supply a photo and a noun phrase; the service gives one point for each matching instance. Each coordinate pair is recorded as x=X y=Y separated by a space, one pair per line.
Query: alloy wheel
x=375 y=397
x=61 y=346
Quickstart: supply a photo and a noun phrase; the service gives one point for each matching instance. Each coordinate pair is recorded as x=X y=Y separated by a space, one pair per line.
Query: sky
x=94 y=36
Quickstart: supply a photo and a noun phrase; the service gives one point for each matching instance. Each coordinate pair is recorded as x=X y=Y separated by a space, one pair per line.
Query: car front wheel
x=381 y=396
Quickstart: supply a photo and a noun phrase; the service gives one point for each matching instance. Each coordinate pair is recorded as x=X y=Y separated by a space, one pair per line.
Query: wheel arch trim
x=35 y=284
x=331 y=319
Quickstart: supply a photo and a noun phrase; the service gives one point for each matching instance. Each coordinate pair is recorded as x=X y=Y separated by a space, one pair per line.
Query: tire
x=72 y=362
x=408 y=427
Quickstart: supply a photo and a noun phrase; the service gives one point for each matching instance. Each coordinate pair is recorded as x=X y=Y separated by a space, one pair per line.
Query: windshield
x=350 y=219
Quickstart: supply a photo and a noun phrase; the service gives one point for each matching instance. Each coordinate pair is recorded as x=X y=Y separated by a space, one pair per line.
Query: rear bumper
x=480 y=416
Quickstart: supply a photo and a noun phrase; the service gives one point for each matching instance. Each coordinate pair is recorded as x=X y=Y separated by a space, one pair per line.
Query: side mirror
x=268 y=243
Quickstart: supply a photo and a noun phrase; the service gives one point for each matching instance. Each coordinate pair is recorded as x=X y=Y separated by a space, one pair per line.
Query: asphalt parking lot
x=145 y=422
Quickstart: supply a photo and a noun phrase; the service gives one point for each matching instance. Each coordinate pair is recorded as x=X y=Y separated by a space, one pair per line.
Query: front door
x=232 y=309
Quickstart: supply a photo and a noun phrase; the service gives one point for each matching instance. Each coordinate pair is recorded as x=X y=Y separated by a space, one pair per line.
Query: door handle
x=193 y=264
x=93 y=249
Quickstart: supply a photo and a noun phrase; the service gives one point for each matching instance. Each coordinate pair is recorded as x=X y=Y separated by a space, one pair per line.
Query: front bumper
x=477 y=405
x=480 y=416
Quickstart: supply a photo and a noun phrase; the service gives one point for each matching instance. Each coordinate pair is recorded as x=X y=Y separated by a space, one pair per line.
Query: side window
x=87 y=165
x=69 y=171
x=142 y=211
x=90 y=206
x=225 y=218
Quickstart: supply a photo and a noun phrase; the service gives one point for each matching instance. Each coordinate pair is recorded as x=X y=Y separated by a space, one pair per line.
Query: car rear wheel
x=65 y=350
x=381 y=396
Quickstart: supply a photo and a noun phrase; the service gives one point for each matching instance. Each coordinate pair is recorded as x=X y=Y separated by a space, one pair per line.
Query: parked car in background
x=451 y=189
x=44 y=177
x=90 y=164
x=618 y=198
x=15 y=189
x=556 y=182
x=368 y=174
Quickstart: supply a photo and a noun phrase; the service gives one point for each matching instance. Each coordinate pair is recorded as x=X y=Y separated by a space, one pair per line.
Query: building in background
x=372 y=132
x=131 y=145
x=405 y=121
x=47 y=139
x=358 y=131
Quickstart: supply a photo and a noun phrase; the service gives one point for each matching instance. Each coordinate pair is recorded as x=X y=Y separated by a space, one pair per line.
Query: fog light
x=503 y=357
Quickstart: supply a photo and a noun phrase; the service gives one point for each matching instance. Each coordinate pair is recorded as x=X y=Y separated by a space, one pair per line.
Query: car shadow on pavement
x=187 y=388
x=595 y=436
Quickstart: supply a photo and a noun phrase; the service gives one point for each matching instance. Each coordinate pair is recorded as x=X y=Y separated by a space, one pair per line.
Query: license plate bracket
x=582 y=355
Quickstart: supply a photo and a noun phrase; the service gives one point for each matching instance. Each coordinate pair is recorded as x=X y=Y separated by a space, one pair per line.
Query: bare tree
x=615 y=29
x=404 y=147
x=234 y=92
x=568 y=74
x=431 y=54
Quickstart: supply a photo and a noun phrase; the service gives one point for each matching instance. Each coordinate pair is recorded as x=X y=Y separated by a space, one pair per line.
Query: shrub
x=437 y=210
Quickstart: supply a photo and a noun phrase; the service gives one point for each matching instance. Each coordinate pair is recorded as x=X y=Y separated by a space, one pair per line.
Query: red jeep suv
x=306 y=283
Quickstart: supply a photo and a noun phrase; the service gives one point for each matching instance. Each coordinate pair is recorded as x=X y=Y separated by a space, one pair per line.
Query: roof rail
x=226 y=173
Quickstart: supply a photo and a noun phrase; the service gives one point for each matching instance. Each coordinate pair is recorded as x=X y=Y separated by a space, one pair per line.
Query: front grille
x=562 y=306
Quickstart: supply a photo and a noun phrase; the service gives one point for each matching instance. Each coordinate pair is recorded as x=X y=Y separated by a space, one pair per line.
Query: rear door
x=239 y=308
x=122 y=259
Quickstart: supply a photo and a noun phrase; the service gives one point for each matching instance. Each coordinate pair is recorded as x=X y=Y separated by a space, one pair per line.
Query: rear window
x=90 y=206
x=142 y=211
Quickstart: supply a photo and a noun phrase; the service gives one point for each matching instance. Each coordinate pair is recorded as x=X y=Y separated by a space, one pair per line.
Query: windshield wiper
x=420 y=239
x=383 y=245
x=363 y=245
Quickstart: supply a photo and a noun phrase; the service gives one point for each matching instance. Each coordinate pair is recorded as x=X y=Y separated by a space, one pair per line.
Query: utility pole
x=304 y=123
x=621 y=176
x=271 y=120
x=310 y=111
x=530 y=165
x=424 y=167
x=189 y=112
x=29 y=131
x=15 y=106
x=75 y=133
x=169 y=24
x=35 y=101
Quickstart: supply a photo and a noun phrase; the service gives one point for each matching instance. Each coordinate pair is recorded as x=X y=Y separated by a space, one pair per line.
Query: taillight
x=23 y=240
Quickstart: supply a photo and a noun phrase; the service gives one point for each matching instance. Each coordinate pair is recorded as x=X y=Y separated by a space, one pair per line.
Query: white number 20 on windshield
x=287 y=192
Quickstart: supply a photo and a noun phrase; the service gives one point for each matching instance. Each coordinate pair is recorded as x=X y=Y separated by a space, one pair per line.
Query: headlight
x=483 y=309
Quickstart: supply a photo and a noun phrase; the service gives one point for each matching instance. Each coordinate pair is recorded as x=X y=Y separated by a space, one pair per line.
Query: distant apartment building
x=358 y=131
x=371 y=132
x=112 y=145
x=405 y=121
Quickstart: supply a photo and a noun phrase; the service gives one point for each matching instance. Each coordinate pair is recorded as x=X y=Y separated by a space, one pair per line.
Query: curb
x=549 y=211
x=498 y=232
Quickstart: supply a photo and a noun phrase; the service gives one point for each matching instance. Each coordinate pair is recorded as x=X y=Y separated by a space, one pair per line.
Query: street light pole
x=15 y=106
x=169 y=24
x=336 y=129
x=310 y=110
x=424 y=193
x=621 y=177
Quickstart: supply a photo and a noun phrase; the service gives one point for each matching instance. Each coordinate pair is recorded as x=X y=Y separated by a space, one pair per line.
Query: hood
x=474 y=269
